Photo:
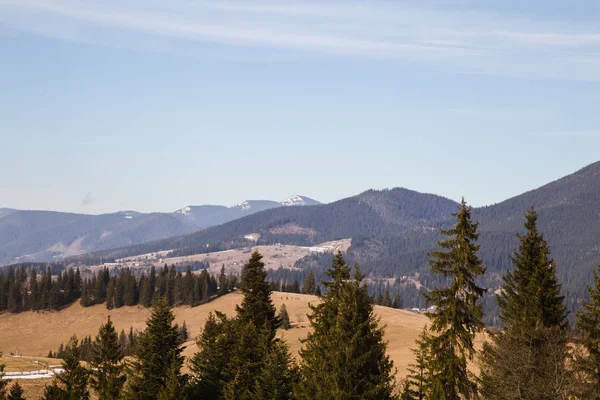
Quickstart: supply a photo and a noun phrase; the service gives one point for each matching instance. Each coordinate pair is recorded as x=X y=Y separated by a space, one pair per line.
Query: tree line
x=117 y=288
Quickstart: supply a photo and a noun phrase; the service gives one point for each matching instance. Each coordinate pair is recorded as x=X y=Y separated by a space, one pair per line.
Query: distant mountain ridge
x=393 y=230
x=32 y=235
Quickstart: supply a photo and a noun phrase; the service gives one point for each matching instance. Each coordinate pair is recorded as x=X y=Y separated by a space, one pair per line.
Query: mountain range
x=393 y=230
x=31 y=235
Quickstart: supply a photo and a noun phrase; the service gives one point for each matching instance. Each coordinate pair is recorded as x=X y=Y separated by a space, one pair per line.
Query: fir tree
x=277 y=378
x=183 y=333
x=309 y=286
x=397 y=301
x=107 y=370
x=72 y=383
x=157 y=349
x=527 y=359
x=209 y=364
x=360 y=367
x=3 y=382
x=123 y=343
x=174 y=388
x=223 y=285
x=587 y=362
x=247 y=360
x=417 y=383
x=257 y=306
x=16 y=392
x=387 y=300
x=458 y=315
x=284 y=318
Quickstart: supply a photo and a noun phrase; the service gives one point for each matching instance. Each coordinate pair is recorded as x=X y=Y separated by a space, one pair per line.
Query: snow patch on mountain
x=297 y=200
x=184 y=211
x=244 y=205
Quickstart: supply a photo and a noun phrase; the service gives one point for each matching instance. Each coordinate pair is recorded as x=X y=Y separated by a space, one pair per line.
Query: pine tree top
x=257 y=306
x=531 y=293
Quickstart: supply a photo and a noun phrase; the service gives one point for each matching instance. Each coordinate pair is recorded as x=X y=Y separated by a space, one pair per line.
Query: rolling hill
x=35 y=333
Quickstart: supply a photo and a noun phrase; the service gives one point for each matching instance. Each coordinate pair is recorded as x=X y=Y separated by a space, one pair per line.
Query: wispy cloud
x=487 y=42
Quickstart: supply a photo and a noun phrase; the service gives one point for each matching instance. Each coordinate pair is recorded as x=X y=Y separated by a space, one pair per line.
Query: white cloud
x=411 y=31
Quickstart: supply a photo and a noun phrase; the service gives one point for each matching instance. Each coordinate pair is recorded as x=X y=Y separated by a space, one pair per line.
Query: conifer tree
x=3 y=382
x=526 y=360
x=457 y=317
x=379 y=298
x=209 y=365
x=280 y=373
x=223 y=284
x=417 y=383
x=397 y=301
x=587 y=362
x=257 y=306
x=157 y=349
x=107 y=370
x=72 y=383
x=247 y=360
x=309 y=286
x=174 y=388
x=16 y=392
x=387 y=300
x=360 y=367
x=284 y=318
x=123 y=343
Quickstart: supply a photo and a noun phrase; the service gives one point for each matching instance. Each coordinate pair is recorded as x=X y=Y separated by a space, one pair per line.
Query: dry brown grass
x=35 y=333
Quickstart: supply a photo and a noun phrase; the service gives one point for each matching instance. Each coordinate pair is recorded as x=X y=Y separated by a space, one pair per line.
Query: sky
x=153 y=105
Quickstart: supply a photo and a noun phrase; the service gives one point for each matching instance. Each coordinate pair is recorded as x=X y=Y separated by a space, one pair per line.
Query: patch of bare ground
x=293 y=229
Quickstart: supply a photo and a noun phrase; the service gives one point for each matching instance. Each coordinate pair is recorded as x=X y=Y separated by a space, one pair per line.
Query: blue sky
x=154 y=105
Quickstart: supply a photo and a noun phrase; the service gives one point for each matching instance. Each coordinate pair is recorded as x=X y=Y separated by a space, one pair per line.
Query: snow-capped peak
x=184 y=211
x=294 y=200
x=244 y=205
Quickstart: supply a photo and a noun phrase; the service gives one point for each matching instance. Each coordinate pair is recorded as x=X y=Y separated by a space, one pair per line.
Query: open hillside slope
x=35 y=333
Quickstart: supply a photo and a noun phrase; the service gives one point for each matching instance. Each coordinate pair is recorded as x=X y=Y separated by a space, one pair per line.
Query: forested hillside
x=392 y=230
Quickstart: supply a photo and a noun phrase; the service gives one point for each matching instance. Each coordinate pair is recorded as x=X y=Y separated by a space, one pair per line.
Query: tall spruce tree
x=72 y=383
x=309 y=286
x=457 y=317
x=344 y=357
x=257 y=306
x=526 y=360
x=587 y=362
x=106 y=366
x=157 y=349
x=3 y=382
